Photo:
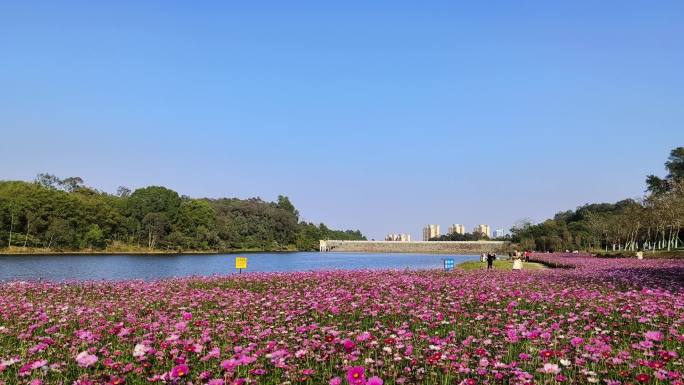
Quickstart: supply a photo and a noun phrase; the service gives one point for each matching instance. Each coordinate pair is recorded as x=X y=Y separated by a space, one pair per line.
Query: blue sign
x=448 y=264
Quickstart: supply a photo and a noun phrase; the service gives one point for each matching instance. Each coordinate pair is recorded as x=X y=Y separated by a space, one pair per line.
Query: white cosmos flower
x=140 y=350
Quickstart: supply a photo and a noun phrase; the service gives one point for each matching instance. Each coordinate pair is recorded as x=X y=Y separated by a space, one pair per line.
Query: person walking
x=490 y=260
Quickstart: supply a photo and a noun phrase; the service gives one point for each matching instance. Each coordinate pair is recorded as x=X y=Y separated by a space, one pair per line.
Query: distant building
x=483 y=229
x=498 y=233
x=457 y=229
x=398 y=237
x=430 y=231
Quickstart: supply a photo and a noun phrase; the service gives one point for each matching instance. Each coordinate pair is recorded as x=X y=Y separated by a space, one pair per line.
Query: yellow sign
x=240 y=263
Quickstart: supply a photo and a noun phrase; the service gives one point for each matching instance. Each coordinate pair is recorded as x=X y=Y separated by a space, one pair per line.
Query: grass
x=499 y=265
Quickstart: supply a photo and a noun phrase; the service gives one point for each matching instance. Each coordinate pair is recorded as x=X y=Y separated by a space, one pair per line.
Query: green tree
x=285 y=204
x=94 y=238
x=675 y=168
x=156 y=226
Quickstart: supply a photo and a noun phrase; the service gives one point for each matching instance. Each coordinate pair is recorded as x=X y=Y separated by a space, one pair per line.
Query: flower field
x=597 y=321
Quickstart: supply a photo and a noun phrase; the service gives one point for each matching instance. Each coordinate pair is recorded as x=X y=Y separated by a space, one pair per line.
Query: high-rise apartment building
x=398 y=237
x=457 y=229
x=499 y=233
x=430 y=231
x=483 y=229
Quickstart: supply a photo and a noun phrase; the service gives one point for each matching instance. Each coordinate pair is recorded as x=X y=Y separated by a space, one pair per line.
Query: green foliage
x=94 y=237
x=460 y=237
x=675 y=169
x=653 y=223
x=64 y=214
x=309 y=234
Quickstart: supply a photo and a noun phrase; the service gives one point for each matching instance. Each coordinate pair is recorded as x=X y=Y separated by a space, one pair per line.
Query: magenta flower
x=179 y=371
x=654 y=336
x=356 y=375
x=335 y=381
x=229 y=364
x=348 y=345
x=374 y=381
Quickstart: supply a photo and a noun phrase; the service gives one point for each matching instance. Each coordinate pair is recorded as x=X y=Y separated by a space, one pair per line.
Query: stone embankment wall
x=454 y=247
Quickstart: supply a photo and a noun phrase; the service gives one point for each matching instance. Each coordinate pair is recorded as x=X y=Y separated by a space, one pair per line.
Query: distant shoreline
x=141 y=253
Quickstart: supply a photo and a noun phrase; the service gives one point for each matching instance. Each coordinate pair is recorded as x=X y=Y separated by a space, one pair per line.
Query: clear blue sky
x=382 y=115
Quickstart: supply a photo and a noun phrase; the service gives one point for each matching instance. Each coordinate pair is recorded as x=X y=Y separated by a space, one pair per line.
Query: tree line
x=653 y=222
x=65 y=214
x=474 y=236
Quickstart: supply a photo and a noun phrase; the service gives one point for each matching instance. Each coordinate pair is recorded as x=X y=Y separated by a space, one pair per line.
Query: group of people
x=516 y=256
x=524 y=256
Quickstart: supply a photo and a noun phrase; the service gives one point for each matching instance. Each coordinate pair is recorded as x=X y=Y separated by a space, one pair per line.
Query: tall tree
x=675 y=168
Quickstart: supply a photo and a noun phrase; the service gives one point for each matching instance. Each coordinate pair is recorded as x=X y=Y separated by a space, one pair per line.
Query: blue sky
x=382 y=116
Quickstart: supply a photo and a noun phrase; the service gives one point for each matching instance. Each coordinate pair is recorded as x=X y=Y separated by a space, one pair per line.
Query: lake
x=118 y=267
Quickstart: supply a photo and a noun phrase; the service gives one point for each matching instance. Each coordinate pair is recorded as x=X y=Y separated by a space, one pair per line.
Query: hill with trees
x=53 y=214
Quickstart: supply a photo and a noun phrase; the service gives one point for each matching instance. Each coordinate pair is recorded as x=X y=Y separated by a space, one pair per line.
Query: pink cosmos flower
x=576 y=341
x=374 y=381
x=363 y=336
x=38 y=364
x=654 y=336
x=85 y=359
x=179 y=371
x=38 y=348
x=245 y=360
x=349 y=345
x=356 y=375
x=187 y=316
x=213 y=353
x=550 y=369
x=216 y=381
x=229 y=364
x=335 y=381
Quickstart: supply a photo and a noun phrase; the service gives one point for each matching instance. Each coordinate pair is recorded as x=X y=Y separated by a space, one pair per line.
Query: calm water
x=70 y=267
